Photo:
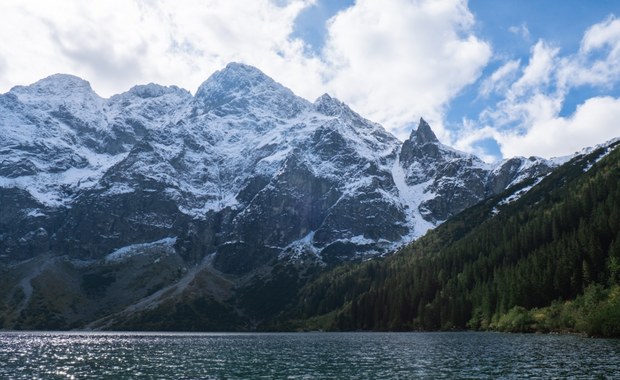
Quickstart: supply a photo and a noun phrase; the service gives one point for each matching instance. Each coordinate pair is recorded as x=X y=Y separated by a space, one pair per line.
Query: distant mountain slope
x=522 y=249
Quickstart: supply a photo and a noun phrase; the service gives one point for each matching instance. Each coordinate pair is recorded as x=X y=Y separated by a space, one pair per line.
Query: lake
x=450 y=355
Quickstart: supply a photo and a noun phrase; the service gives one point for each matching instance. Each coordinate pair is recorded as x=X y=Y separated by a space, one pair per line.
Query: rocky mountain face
x=452 y=181
x=213 y=193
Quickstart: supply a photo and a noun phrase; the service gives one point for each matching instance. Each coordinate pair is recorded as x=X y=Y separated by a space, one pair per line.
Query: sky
x=494 y=78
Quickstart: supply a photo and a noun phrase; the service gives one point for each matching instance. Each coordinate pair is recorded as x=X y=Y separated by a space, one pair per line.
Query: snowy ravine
x=244 y=172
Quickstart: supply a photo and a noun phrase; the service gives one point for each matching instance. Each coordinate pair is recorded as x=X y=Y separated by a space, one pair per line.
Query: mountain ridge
x=123 y=127
x=244 y=180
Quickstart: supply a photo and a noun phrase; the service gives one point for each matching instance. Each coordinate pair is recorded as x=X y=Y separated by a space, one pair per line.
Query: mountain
x=447 y=181
x=155 y=198
x=542 y=256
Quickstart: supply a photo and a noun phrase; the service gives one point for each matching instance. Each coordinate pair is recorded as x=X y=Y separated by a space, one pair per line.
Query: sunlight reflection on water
x=73 y=355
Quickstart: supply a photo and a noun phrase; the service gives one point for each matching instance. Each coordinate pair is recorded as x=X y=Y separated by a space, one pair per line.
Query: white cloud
x=596 y=63
x=521 y=31
x=393 y=61
x=529 y=97
x=606 y=33
x=118 y=43
x=539 y=71
x=470 y=135
x=397 y=60
x=500 y=79
x=595 y=121
x=528 y=120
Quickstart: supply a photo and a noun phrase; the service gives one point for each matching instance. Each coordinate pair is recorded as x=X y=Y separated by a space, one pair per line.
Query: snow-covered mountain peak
x=329 y=106
x=238 y=80
x=235 y=78
x=243 y=89
x=57 y=85
x=62 y=93
x=334 y=108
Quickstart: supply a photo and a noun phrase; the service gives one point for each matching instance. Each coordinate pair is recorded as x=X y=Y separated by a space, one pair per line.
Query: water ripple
x=305 y=356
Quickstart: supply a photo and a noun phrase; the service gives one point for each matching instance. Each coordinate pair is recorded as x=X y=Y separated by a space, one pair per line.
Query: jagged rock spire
x=423 y=134
x=422 y=146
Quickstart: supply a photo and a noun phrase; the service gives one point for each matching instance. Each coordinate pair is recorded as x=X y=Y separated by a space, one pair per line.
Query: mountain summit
x=54 y=85
x=237 y=79
x=244 y=89
x=423 y=134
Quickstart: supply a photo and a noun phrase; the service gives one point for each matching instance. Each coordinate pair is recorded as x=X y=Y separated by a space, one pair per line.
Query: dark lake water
x=459 y=355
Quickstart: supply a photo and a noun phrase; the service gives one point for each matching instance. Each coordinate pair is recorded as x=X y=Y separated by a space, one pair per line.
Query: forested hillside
x=549 y=260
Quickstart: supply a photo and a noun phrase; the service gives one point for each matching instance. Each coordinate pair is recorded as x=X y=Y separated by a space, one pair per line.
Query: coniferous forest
x=548 y=261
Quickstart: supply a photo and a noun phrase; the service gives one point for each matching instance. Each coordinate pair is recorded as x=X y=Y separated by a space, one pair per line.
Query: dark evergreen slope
x=491 y=265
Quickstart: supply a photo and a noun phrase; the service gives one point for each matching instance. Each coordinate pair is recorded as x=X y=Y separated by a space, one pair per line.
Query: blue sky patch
x=311 y=23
